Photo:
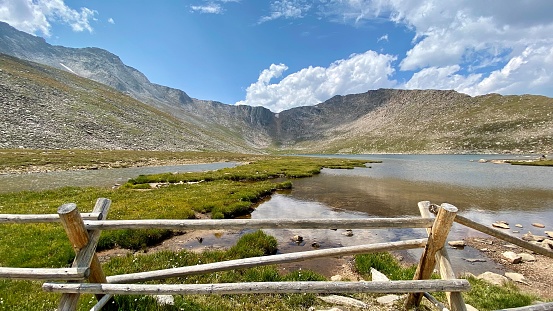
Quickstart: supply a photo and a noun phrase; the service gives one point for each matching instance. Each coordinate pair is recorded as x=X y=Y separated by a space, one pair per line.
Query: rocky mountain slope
x=43 y=107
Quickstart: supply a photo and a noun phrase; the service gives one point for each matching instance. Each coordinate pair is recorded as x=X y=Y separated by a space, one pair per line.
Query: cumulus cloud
x=312 y=85
x=286 y=9
x=460 y=44
x=111 y=21
x=36 y=16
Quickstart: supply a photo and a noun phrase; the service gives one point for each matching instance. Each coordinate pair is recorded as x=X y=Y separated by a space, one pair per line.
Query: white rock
x=344 y=301
x=501 y=225
x=470 y=308
x=378 y=276
x=493 y=278
x=549 y=233
x=164 y=300
x=459 y=243
x=517 y=277
x=512 y=257
x=384 y=300
x=336 y=278
x=526 y=257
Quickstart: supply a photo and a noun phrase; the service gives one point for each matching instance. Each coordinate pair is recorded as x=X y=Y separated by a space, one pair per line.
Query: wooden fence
x=83 y=231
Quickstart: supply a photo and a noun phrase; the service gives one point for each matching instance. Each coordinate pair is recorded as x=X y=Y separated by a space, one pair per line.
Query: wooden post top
x=67 y=208
x=449 y=207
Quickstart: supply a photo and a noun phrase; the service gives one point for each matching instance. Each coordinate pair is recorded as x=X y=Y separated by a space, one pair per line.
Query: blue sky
x=287 y=53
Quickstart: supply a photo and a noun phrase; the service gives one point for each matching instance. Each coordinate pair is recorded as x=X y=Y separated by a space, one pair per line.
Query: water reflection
x=484 y=192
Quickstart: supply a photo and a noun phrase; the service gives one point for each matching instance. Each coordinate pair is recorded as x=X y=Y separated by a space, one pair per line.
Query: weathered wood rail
x=84 y=230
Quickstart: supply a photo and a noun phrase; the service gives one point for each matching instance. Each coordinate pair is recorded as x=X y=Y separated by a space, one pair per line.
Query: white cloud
x=383 y=38
x=460 y=44
x=210 y=8
x=442 y=78
x=36 y=16
x=111 y=21
x=530 y=72
x=312 y=85
x=286 y=9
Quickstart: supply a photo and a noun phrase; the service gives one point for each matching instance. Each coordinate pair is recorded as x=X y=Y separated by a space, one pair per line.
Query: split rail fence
x=83 y=231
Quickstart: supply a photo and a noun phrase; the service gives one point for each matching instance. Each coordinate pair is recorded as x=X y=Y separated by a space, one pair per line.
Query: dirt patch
x=539 y=273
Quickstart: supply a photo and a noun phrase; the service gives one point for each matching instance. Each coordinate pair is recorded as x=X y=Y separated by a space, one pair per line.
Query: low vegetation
x=533 y=163
x=483 y=295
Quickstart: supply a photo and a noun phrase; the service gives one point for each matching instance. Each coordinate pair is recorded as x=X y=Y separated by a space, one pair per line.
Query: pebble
x=512 y=257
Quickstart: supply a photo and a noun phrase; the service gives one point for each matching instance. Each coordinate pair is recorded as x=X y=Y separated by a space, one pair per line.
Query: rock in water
x=459 y=243
x=501 y=225
x=538 y=225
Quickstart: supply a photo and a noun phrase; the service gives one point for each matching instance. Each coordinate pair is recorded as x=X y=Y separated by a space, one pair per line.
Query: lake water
x=483 y=192
x=94 y=178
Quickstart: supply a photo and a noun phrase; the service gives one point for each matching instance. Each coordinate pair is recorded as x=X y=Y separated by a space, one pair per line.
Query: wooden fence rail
x=41 y=218
x=320 y=287
x=214 y=224
x=83 y=231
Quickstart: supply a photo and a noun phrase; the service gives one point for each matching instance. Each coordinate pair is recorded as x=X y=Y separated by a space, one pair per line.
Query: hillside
x=421 y=121
x=42 y=107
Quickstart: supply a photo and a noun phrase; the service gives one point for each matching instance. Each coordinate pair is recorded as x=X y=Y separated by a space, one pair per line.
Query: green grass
x=45 y=245
x=482 y=295
x=533 y=163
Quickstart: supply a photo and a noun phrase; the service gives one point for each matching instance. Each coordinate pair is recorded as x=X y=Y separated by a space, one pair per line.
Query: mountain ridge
x=384 y=120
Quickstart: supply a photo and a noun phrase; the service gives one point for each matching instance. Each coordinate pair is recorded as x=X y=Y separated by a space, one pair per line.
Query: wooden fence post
x=84 y=246
x=436 y=241
x=456 y=301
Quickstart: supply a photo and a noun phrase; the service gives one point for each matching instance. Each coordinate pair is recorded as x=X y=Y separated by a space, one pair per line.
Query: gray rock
x=501 y=225
x=526 y=257
x=512 y=257
x=517 y=277
x=549 y=233
x=494 y=278
x=470 y=308
x=388 y=299
x=344 y=301
x=459 y=243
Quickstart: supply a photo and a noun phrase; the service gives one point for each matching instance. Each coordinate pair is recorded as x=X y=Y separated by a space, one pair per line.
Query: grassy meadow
x=225 y=193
